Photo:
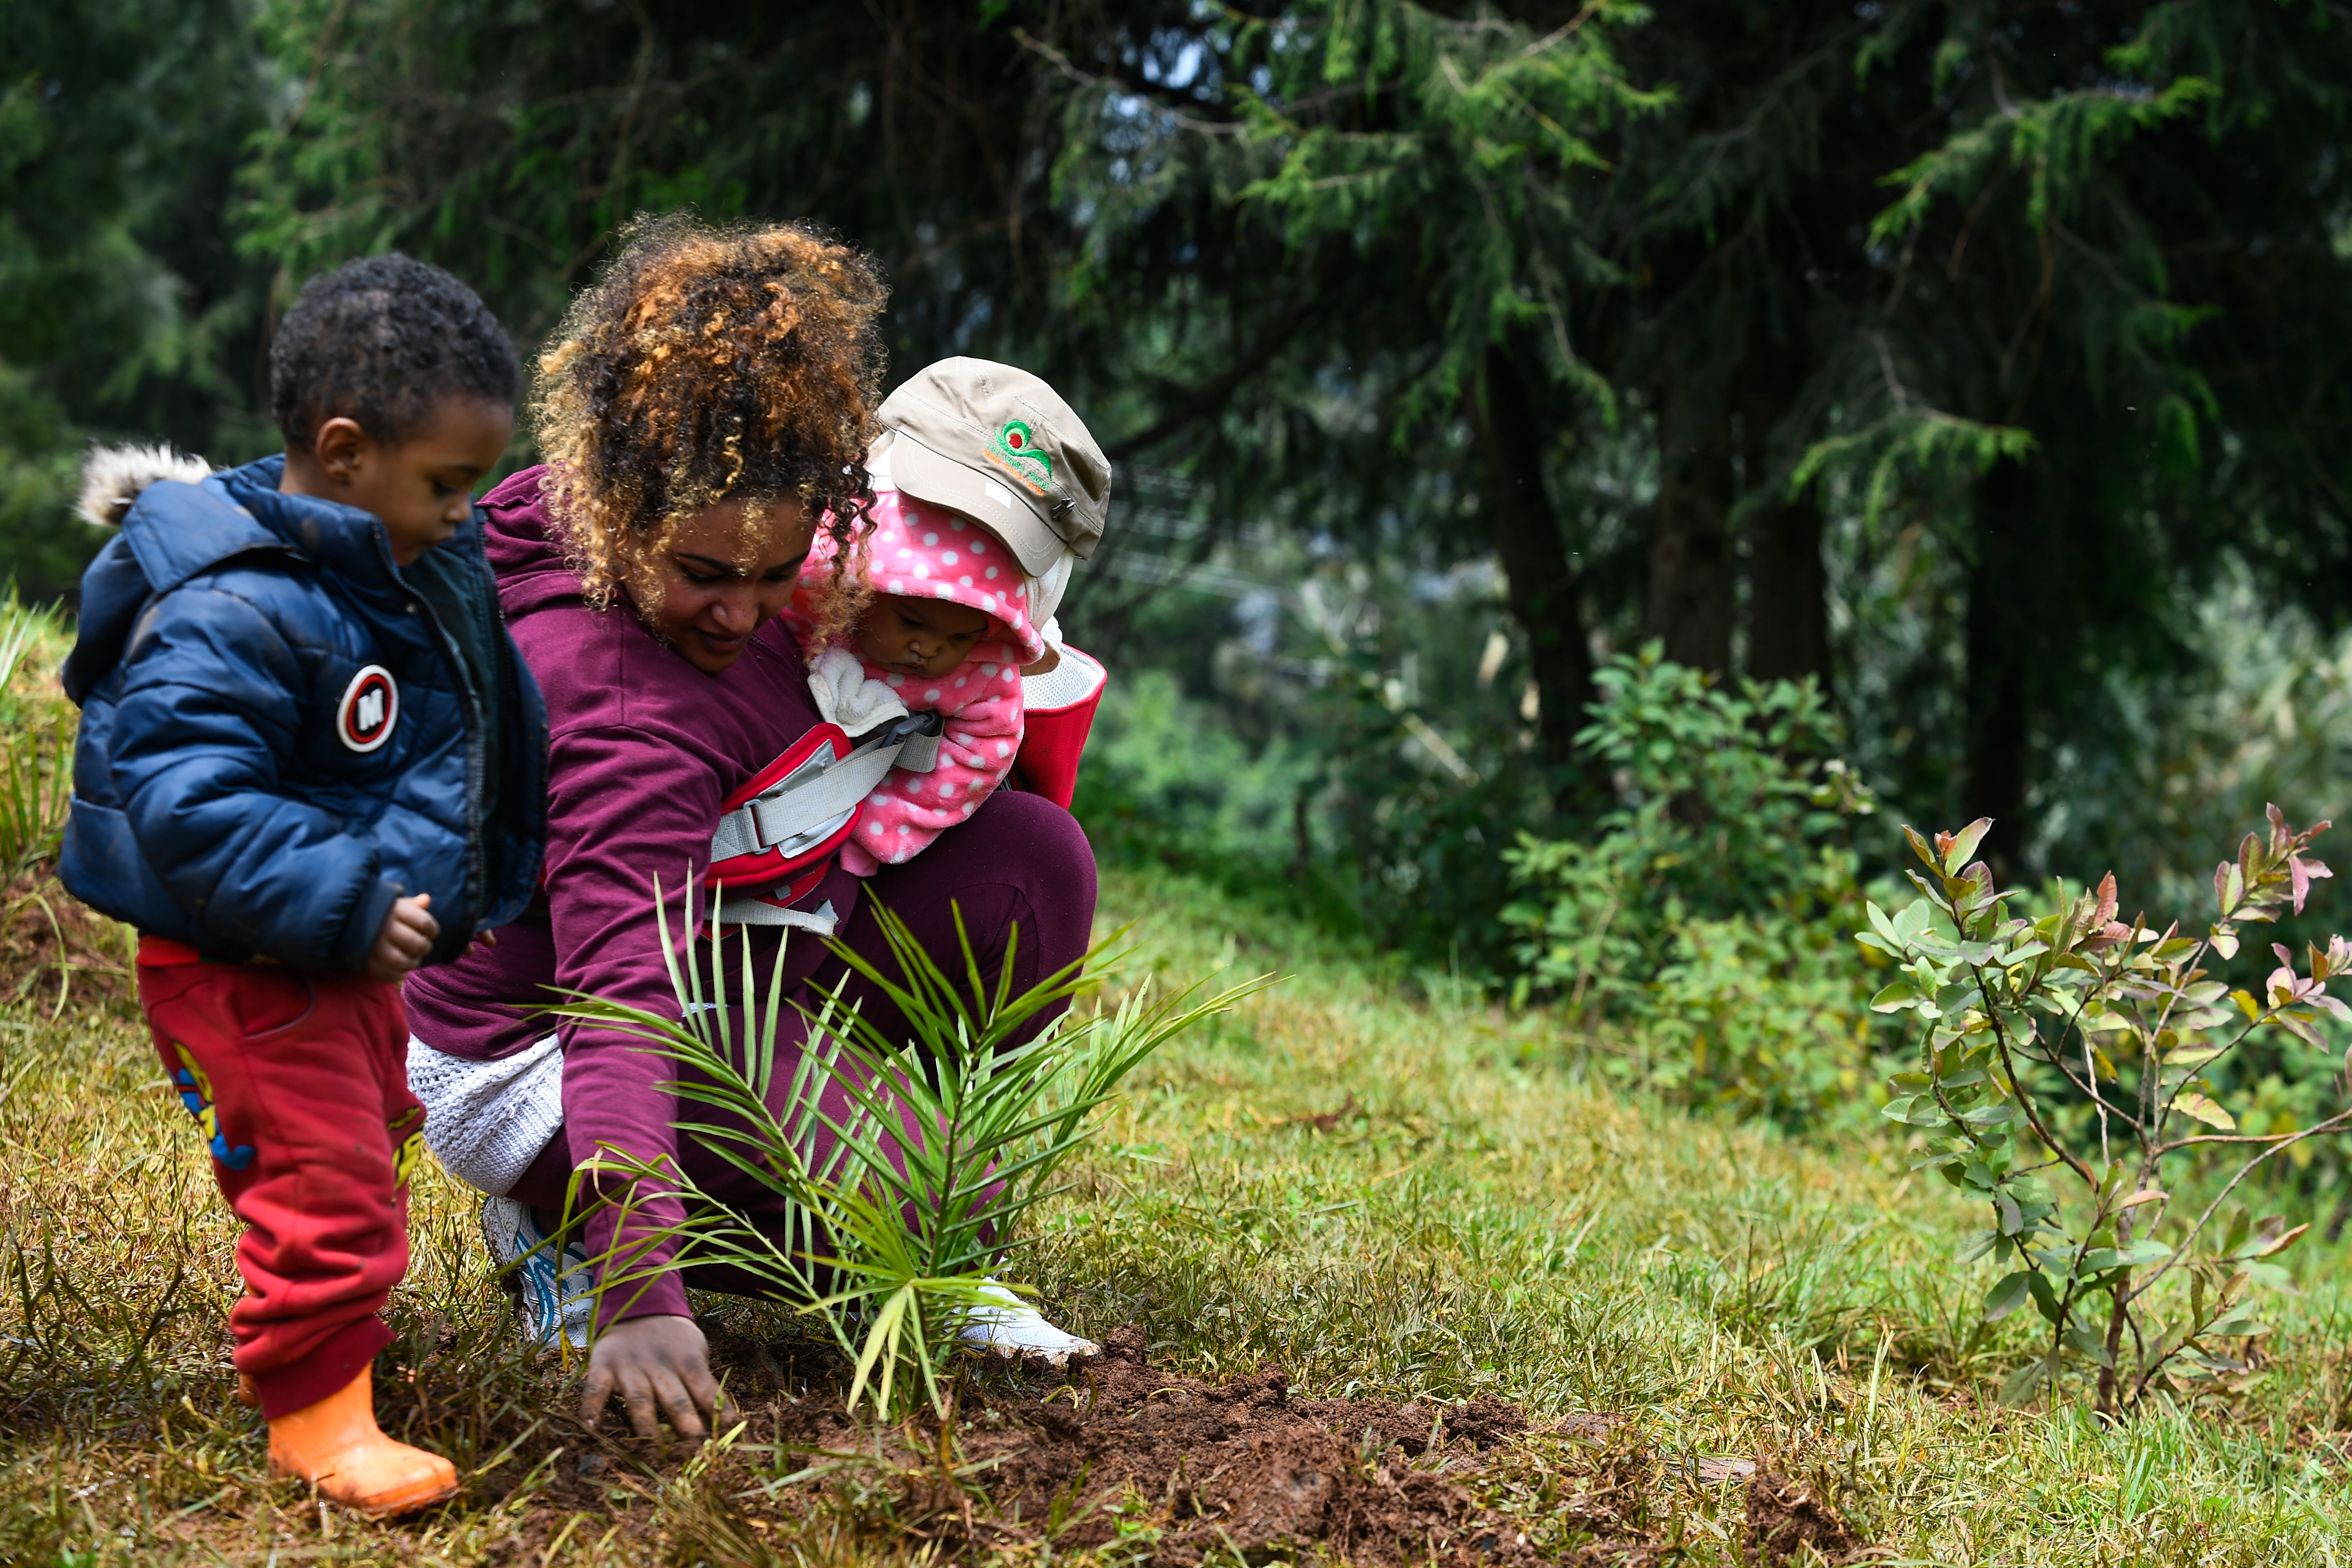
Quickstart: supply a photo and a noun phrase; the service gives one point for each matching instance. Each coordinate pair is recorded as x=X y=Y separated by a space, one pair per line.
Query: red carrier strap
x=779 y=830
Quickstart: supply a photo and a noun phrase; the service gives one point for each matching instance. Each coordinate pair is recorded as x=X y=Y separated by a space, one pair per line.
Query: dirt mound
x=1172 y=1468
x=1786 y=1515
x=54 y=950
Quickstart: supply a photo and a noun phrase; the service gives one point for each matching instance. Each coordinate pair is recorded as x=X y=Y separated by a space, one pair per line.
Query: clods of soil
x=1786 y=1516
x=1173 y=1467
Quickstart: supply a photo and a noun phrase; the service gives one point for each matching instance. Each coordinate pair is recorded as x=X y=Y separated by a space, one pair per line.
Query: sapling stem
x=2024 y=1096
x=2340 y=1119
x=2091 y=1071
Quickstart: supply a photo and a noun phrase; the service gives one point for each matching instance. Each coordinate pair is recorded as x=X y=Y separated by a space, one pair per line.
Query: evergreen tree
x=2113 y=298
x=123 y=306
x=1983 y=332
x=511 y=142
x=2005 y=279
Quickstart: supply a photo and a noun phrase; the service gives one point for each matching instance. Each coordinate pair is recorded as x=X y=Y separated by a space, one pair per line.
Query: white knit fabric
x=487 y=1122
x=846 y=695
x=1073 y=679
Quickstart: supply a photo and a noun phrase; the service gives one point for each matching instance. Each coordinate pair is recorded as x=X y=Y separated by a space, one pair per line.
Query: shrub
x=1699 y=930
x=1166 y=779
x=1418 y=820
x=2066 y=1075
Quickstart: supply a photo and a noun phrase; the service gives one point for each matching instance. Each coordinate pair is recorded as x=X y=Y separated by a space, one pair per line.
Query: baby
x=986 y=488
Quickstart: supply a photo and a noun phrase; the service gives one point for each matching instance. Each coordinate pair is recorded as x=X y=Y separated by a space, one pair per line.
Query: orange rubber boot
x=336 y=1446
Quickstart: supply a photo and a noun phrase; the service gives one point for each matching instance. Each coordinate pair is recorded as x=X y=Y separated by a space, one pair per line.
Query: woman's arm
x=625 y=808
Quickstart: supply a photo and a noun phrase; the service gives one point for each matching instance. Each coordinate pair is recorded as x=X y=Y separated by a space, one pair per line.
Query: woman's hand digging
x=656 y=1363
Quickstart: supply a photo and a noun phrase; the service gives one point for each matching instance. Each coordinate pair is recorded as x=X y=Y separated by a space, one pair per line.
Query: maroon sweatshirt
x=643 y=747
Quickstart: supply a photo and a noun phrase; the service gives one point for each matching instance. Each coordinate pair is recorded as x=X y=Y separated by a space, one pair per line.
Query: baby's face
x=920 y=638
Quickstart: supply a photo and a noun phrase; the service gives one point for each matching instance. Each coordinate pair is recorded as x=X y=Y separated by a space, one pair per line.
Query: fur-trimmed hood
x=113 y=476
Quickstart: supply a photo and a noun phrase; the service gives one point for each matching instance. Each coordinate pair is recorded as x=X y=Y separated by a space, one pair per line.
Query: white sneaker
x=554 y=1299
x=1018 y=1330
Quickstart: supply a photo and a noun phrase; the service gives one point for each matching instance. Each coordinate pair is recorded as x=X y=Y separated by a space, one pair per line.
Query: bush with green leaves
x=1165 y=781
x=1359 y=768
x=901 y=1205
x=37 y=754
x=1700 y=931
x=2067 y=1075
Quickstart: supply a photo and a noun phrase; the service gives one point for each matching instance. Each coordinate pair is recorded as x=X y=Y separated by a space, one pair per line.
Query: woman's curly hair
x=710 y=365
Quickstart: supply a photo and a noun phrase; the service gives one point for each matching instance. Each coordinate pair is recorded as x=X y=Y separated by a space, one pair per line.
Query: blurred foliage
x=1947 y=351
x=1981 y=364
x=1166 y=778
x=1699 y=934
x=124 y=307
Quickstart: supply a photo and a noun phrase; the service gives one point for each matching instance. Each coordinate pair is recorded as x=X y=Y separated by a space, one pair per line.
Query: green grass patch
x=1387 y=1198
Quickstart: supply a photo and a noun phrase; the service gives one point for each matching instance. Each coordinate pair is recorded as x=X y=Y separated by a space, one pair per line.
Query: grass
x=1385 y=1195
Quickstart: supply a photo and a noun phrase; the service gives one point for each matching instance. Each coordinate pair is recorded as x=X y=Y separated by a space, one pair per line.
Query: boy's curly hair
x=708 y=366
x=382 y=340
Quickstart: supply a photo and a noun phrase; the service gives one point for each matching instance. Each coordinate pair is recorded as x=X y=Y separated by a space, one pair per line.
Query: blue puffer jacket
x=282 y=730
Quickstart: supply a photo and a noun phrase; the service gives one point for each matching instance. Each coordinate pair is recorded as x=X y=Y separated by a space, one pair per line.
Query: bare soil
x=1117 y=1454
x=1787 y=1516
x=55 y=951
x=1139 y=1465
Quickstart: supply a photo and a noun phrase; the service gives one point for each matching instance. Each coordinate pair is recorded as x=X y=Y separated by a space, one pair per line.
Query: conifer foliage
x=1944 y=350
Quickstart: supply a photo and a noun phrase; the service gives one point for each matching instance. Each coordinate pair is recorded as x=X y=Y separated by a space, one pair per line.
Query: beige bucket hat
x=998 y=444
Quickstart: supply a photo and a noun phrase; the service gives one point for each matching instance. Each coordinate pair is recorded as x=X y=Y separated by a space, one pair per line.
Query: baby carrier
x=778 y=832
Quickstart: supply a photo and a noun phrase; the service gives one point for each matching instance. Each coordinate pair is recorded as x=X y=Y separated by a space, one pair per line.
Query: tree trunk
x=1787 y=591
x=1542 y=584
x=1992 y=778
x=1690 y=559
x=1788 y=611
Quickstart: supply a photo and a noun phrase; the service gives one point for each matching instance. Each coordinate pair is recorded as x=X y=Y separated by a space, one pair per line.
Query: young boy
x=310 y=760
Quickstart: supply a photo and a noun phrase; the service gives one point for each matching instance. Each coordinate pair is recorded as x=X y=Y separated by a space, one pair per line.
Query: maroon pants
x=298 y=1084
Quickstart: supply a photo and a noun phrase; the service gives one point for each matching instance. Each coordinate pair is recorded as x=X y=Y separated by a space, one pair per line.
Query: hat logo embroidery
x=1016 y=451
x=371 y=704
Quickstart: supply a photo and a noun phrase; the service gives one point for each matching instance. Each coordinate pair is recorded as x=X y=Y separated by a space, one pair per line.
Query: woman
x=705 y=408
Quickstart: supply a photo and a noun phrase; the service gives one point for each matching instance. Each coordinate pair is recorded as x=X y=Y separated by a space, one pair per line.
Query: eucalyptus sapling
x=2066 y=1076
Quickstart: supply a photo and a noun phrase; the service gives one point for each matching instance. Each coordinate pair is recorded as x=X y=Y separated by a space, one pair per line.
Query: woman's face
x=709 y=605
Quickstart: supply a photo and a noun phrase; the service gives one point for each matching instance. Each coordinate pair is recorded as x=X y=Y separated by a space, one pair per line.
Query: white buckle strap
x=751 y=910
x=920 y=752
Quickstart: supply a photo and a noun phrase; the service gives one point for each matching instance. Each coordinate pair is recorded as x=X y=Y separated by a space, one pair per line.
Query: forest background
x=1587 y=471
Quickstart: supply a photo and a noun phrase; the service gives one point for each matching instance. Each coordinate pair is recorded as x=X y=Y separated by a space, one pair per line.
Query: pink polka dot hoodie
x=920 y=550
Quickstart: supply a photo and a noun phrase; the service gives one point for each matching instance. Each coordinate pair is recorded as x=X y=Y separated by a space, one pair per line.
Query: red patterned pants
x=298 y=1084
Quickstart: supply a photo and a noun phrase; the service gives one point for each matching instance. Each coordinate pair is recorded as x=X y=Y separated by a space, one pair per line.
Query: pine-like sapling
x=901 y=1165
